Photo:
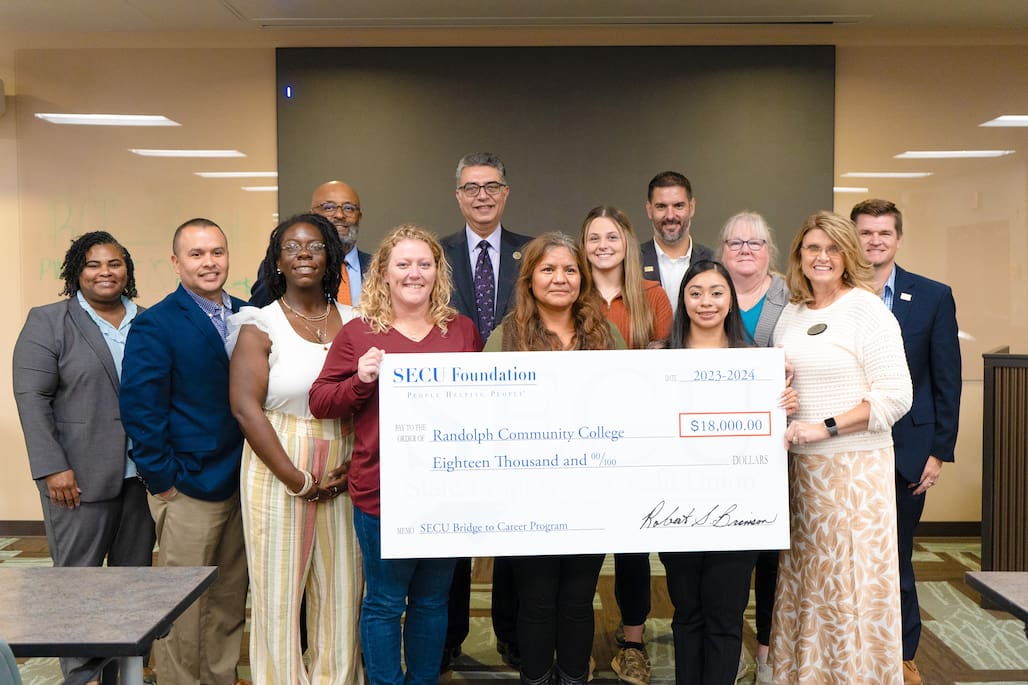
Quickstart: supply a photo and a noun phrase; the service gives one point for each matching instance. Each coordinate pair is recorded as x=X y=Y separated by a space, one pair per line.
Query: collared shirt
x=493 y=239
x=352 y=263
x=217 y=313
x=115 y=339
x=672 y=271
x=889 y=290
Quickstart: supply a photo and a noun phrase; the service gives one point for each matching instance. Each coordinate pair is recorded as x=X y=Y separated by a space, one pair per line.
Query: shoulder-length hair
x=761 y=230
x=376 y=305
x=524 y=330
x=856 y=270
x=333 y=255
x=75 y=262
x=735 y=331
x=640 y=313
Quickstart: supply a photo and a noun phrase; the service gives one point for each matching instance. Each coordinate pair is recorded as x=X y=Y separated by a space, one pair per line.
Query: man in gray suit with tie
x=485 y=259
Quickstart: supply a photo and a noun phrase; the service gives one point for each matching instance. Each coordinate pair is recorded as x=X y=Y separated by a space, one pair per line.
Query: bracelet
x=308 y=483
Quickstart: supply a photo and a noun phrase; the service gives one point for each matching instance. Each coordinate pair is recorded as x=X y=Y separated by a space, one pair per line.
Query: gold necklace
x=316 y=331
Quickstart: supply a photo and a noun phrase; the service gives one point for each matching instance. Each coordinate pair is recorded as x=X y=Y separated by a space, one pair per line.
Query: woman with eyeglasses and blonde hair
x=837 y=605
x=642 y=313
x=405 y=307
x=747 y=249
x=297 y=517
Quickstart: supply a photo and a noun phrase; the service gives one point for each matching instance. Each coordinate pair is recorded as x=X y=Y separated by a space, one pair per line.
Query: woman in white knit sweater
x=837 y=607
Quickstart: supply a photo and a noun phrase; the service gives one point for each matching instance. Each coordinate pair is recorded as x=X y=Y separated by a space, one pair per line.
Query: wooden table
x=1008 y=590
x=95 y=612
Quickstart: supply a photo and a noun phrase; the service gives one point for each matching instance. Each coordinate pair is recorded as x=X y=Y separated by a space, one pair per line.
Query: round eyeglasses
x=293 y=248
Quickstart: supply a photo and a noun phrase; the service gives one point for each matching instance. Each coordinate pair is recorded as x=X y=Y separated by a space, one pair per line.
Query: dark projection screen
x=752 y=128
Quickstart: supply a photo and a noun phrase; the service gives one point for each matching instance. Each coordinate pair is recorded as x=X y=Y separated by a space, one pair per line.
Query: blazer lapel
x=463 y=280
x=201 y=322
x=903 y=297
x=510 y=265
x=94 y=338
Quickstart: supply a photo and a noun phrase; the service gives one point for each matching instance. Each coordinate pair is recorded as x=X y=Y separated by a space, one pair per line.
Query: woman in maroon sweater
x=405 y=307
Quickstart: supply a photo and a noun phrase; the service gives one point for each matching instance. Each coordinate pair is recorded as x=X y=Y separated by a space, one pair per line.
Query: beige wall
x=966 y=225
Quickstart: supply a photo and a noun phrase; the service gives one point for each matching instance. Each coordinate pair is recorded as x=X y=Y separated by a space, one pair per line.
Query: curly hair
x=522 y=326
x=640 y=313
x=75 y=262
x=857 y=271
x=735 y=331
x=333 y=255
x=376 y=305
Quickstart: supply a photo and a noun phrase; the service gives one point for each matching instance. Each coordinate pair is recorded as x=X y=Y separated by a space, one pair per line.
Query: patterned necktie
x=343 y=296
x=485 y=290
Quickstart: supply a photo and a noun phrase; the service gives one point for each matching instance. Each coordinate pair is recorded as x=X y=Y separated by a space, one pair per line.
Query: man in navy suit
x=187 y=447
x=670 y=206
x=485 y=259
x=339 y=203
x=927 y=435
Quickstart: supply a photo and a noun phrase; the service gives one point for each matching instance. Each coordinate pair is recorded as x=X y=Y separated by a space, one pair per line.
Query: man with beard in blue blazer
x=926 y=437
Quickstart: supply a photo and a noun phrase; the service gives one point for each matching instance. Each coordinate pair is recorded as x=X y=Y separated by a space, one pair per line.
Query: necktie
x=485 y=290
x=343 y=296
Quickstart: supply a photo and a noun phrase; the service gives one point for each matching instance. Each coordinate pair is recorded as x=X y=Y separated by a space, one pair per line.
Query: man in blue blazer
x=339 y=203
x=670 y=206
x=187 y=447
x=485 y=259
x=927 y=435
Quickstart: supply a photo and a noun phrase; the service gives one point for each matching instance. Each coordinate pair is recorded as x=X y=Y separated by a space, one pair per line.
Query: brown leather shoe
x=911 y=676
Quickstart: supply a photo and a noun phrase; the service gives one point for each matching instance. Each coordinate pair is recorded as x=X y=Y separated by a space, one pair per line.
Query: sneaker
x=911 y=676
x=632 y=666
x=743 y=667
x=765 y=674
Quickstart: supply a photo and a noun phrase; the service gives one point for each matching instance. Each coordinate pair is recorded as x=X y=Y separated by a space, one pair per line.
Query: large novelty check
x=575 y=452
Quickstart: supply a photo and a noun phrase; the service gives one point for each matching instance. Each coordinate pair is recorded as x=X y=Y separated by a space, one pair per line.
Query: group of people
x=246 y=436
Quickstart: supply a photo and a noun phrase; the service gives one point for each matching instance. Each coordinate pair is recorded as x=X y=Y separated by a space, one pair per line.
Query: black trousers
x=908 y=514
x=765 y=578
x=632 y=587
x=504 y=603
x=709 y=591
x=555 y=613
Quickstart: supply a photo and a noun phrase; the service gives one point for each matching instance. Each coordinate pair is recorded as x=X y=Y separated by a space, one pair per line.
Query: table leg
x=131 y=668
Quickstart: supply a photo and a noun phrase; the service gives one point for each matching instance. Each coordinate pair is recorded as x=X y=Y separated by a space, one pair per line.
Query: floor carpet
x=962 y=644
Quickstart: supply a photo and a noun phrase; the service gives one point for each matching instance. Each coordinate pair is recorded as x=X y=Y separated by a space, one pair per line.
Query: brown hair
x=640 y=313
x=522 y=327
x=875 y=207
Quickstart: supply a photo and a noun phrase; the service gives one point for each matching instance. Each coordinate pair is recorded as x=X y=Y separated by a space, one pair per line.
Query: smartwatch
x=833 y=430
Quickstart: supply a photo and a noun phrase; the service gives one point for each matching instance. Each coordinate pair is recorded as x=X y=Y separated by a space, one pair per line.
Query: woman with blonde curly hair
x=555 y=308
x=405 y=307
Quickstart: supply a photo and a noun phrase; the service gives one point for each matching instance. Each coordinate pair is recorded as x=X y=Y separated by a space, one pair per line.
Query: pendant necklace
x=316 y=331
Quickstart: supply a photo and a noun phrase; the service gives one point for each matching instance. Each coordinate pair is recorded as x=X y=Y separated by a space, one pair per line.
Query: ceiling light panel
x=887 y=174
x=237 y=174
x=1007 y=120
x=107 y=119
x=143 y=152
x=952 y=154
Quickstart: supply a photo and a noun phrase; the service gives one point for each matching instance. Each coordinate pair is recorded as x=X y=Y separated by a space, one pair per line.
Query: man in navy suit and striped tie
x=485 y=259
x=926 y=437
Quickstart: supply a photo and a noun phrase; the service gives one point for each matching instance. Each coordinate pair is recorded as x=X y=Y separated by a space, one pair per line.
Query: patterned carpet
x=962 y=644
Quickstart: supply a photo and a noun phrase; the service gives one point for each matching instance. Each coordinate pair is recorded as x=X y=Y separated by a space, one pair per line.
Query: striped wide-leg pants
x=294 y=546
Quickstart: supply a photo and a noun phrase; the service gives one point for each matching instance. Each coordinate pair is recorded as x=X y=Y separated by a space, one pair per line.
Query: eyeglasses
x=492 y=188
x=755 y=244
x=815 y=250
x=332 y=208
x=293 y=248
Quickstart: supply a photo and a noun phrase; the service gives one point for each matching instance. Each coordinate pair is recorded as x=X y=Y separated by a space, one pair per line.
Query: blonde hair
x=376 y=305
x=640 y=313
x=857 y=271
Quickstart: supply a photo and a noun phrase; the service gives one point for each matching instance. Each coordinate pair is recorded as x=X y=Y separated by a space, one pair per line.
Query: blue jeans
x=419 y=586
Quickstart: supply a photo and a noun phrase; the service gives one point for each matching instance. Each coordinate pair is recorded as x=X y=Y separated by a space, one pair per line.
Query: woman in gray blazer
x=747 y=249
x=67 y=369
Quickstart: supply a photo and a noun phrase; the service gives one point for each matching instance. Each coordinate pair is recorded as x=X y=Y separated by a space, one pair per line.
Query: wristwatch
x=833 y=430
